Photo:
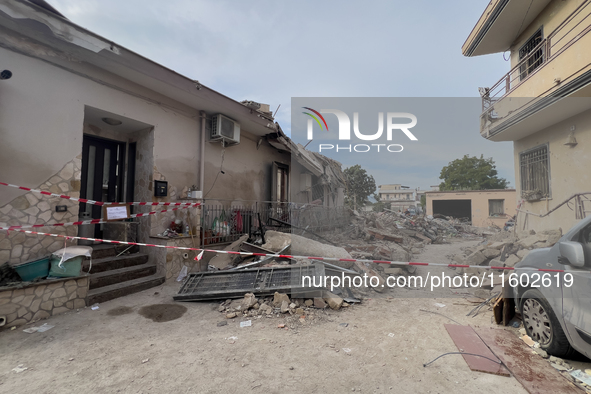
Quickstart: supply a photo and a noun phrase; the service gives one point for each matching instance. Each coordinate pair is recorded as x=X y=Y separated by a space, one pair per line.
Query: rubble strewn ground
x=377 y=346
x=284 y=344
x=506 y=248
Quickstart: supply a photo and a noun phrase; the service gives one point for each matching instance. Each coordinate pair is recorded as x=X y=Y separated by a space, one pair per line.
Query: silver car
x=556 y=306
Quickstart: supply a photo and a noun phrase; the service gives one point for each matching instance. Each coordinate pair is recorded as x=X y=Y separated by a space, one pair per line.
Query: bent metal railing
x=225 y=223
x=572 y=29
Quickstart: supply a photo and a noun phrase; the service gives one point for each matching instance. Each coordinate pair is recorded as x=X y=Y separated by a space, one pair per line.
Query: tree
x=471 y=173
x=360 y=185
x=379 y=205
x=423 y=201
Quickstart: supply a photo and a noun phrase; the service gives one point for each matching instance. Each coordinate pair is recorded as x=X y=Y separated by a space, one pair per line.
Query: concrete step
x=117 y=290
x=108 y=250
x=113 y=263
x=111 y=277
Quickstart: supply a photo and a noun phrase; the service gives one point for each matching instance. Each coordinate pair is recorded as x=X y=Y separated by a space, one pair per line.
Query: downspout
x=202 y=154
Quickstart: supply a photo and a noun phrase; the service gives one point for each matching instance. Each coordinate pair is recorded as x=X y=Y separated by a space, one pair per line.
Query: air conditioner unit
x=225 y=129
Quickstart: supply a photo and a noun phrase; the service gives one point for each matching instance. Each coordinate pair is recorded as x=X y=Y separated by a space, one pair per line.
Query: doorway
x=102 y=178
x=454 y=208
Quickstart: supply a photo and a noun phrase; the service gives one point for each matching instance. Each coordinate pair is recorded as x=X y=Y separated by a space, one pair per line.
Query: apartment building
x=399 y=197
x=542 y=103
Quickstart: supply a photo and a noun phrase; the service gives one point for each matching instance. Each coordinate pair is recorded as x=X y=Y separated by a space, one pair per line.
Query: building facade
x=482 y=208
x=84 y=117
x=399 y=197
x=542 y=104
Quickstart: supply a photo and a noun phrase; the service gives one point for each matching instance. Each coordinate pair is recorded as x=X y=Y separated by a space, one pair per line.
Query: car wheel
x=541 y=324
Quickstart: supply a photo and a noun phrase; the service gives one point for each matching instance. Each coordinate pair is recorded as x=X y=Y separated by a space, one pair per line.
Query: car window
x=585 y=240
x=585 y=237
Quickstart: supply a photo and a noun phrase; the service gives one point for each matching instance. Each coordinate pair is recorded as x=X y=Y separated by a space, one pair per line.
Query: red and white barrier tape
x=86 y=201
x=398 y=263
x=92 y=221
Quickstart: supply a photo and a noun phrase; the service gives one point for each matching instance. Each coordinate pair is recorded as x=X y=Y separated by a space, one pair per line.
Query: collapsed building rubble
x=279 y=303
x=505 y=249
x=384 y=236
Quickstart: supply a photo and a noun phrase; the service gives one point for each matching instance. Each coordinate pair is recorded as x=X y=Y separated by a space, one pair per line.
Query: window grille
x=535 y=174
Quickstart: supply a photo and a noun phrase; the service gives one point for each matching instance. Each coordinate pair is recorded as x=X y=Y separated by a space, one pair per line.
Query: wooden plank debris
x=384 y=235
x=534 y=373
x=467 y=341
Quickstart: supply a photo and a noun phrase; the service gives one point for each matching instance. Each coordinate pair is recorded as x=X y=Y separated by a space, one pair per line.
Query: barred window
x=496 y=207
x=535 y=175
x=534 y=58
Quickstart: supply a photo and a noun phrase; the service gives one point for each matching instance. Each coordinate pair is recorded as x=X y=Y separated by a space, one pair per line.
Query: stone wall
x=171 y=261
x=42 y=299
x=174 y=258
x=35 y=208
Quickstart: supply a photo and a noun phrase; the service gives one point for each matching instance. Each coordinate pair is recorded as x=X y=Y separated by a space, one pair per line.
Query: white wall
x=41 y=123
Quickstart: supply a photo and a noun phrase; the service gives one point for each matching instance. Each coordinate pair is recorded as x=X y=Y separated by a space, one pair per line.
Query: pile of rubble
x=506 y=249
x=410 y=229
x=279 y=304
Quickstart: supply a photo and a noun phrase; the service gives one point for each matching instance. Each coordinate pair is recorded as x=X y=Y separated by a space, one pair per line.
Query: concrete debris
x=222 y=261
x=506 y=248
x=528 y=341
x=335 y=302
x=284 y=306
x=559 y=367
x=279 y=299
x=295 y=313
x=249 y=301
x=512 y=260
x=392 y=271
x=541 y=352
x=319 y=303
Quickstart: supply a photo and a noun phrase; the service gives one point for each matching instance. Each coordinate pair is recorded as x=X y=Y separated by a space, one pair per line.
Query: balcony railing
x=572 y=29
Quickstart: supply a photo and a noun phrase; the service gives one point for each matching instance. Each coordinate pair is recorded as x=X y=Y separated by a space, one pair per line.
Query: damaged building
x=85 y=117
x=541 y=104
x=481 y=208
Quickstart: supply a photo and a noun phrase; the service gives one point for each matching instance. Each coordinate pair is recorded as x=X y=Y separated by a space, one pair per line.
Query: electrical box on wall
x=160 y=188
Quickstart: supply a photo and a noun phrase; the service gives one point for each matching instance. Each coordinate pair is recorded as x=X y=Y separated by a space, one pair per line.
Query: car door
x=576 y=298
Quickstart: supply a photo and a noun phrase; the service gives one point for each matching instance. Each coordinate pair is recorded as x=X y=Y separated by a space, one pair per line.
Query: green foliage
x=379 y=205
x=423 y=201
x=471 y=173
x=359 y=184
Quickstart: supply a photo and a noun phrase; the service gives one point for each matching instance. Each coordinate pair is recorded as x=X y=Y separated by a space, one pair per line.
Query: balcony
x=551 y=83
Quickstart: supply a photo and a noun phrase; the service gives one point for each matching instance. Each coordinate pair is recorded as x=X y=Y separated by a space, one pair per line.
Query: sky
x=272 y=51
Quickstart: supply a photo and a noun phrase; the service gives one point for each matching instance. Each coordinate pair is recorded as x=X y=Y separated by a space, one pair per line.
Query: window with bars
x=534 y=58
x=496 y=207
x=535 y=174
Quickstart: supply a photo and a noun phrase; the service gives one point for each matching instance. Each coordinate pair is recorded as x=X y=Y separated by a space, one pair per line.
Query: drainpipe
x=202 y=158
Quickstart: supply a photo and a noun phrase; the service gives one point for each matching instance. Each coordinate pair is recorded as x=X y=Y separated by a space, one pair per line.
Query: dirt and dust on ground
x=146 y=342
x=378 y=346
